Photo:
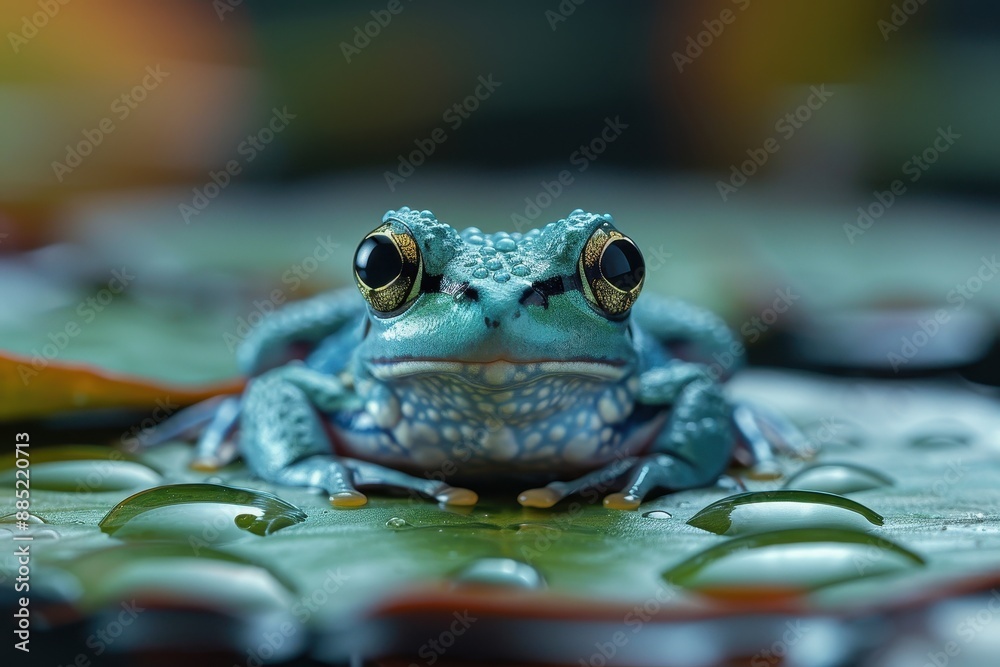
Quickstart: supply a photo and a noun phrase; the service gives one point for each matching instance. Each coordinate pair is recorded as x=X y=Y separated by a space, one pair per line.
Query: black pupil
x=622 y=265
x=377 y=261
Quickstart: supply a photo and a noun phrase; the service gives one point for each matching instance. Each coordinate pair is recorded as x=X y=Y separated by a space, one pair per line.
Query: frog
x=460 y=358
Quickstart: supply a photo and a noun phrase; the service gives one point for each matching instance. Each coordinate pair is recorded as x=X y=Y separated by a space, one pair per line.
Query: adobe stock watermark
x=433 y=649
x=272 y=642
x=30 y=25
x=751 y=330
x=928 y=328
x=87 y=311
x=697 y=43
x=364 y=34
x=776 y=653
x=247 y=150
x=223 y=7
x=453 y=117
x=134 y=438
x=121 y=108
x=915 y=167
x=581 y=159
x=294 y=277
x=561 y=13
x=786 y=127
x=900 y=14
x=634 y=621
x=968 y=629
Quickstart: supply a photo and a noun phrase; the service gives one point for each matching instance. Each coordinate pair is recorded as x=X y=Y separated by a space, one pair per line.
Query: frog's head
x=498 y=309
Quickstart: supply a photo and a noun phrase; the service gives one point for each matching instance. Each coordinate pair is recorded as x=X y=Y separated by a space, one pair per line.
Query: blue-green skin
x=484 y=385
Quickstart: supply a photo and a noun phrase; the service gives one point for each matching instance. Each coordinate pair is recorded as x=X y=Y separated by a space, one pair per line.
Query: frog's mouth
x=499 y=373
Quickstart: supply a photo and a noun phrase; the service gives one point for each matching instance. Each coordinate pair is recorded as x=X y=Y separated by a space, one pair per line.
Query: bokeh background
x=743 y=141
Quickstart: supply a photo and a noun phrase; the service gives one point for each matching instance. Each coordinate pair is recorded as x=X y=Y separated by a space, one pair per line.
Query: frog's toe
x=349 y=498
x=648 y=474
x=453 y=495
x=622 y=501
x=543 y=498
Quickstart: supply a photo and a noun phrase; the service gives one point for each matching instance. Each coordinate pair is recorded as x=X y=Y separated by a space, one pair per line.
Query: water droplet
x=658 y=514
x=192 y=574
x=88 y=476
x=838 y=478
x=494 y=264
x=501 y=276
x=942 y=436
x=208 y=513
x=506 y=245
x=397 y=524
x=791 y=560
x=761 y=511
x=501 y=572
x=480 y=272
x=32 y=520
x=520 y=270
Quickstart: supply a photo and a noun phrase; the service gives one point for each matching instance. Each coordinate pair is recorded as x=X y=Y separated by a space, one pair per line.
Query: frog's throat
x=498 y=373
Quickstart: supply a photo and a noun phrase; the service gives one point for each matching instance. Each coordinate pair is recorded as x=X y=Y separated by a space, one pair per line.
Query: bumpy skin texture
x=500 y=367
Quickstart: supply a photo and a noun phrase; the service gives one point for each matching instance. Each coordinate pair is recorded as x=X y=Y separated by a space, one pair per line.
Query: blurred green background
x=749 y=146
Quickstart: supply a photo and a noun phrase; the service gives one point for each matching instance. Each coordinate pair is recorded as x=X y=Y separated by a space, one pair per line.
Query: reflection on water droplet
x=801 y=558
x=12 y=518
x=838 y=478
x=761 y=511
x=658 y=514
x=501 y=572
x=35 y=532
x=397 y=524
x=87 y=476
x=199 y=513
x=173 y=571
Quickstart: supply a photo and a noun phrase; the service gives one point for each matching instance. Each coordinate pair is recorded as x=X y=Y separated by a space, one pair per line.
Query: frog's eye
x=387 y=267
x=611 y=270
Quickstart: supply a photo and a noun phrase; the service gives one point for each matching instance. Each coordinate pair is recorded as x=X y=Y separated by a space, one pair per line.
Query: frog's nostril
x=491 y=323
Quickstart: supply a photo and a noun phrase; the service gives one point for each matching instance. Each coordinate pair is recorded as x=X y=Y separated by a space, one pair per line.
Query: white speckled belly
x=483 y=418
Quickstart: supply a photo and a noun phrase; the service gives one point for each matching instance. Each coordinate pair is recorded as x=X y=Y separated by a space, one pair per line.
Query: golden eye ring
x=612 y=271
x=388 y=268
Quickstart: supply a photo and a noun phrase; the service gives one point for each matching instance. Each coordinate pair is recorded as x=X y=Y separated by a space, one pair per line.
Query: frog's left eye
x=612 y=271
x=388 y=267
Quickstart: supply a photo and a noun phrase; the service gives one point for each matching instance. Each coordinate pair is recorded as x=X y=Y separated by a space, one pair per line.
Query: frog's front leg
x=691 y=450
x=283 y=440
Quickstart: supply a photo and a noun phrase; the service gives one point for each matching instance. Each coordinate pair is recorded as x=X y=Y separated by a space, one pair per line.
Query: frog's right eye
x=388 y=267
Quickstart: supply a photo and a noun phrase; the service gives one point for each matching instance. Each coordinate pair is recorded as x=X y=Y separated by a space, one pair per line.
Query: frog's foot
x=692 y=450
x=642 y=476
x=340 y=477
x=763 y=434
x=550 y=494
x=284 y=441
